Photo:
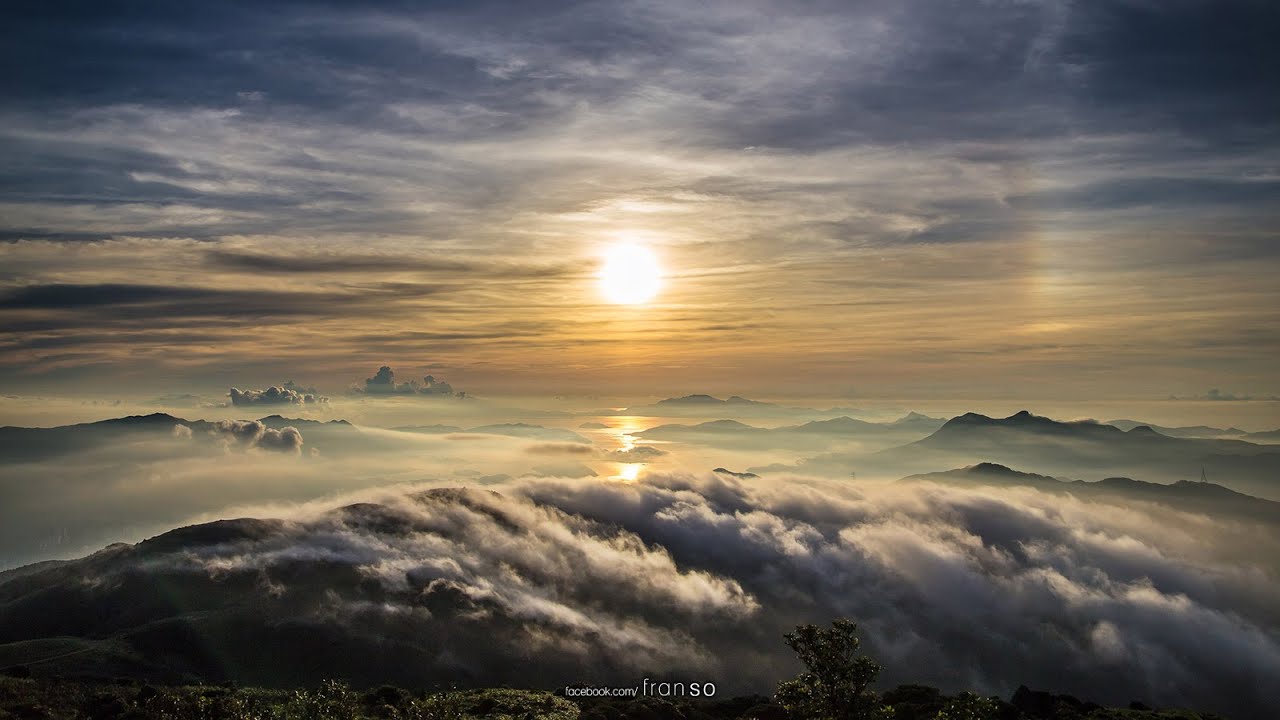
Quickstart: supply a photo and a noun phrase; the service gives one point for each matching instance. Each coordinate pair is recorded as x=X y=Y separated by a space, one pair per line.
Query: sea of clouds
x=697 y=576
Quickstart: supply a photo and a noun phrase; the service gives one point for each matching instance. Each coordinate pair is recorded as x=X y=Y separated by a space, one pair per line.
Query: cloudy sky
x=1018 y=197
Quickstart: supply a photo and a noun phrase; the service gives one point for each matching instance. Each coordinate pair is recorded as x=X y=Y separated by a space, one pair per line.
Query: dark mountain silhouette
x=147 y=612
x=813 y=434
x=1041 y=444
x=704 y=400
x=971 y=427
x=27 y=444
x=739 y=475
x=1081 y=448
x=912 y=422
x=129 y=422
x=971 y=430
x=715 y=426
x=1200 y=497
x=987 y=473
x=282 y=603
x=463 y=586
x=1189 y=431
x=19 y=444
x=22 y=444
x=840 y=425
x=278 y=421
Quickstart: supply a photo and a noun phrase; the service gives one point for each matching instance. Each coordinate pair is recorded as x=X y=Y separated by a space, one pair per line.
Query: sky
x=1022 y=198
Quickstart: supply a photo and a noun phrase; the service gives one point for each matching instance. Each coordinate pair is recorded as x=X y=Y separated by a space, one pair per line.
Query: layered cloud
x=991 y=182
x=699 y=575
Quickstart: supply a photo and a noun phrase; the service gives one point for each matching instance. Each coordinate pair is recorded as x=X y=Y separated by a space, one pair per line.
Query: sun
x=630 y=275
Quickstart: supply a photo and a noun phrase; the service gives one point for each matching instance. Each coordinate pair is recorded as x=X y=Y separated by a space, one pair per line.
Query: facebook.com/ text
x=646 y=688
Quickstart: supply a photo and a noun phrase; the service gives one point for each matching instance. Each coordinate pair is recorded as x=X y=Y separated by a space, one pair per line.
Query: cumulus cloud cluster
x=286 y=394
x=384 y=382
x=1216 y=394
x=699 y=575
x=254 y=434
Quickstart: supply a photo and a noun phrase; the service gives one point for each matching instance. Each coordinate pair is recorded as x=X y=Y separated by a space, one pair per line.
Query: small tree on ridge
x=836 y=681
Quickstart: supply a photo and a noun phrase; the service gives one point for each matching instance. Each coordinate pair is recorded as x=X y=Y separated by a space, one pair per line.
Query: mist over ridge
x=601 y=578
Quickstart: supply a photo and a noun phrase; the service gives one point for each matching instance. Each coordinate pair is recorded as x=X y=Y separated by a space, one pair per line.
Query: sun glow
x=629 y=472
x=630 y=275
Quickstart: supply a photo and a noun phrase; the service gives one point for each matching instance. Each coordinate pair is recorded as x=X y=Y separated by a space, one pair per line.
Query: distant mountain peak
x=971 y=418
x=725 y=425
x=278 y=421
x=1028 y=418
x=1186 y=431
x=1025 y=420
x=703 y=399
x=844 y=421
x=987 y=472
x=697 y=399
x=990 y=467
x=156 y=417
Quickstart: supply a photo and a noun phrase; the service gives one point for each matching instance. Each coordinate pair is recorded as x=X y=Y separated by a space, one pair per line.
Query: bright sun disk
x=630 y=276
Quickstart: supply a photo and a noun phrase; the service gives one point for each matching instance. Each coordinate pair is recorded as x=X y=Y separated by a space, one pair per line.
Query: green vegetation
x=836 y=682
x=26 y=698
x=835 y=685
x=65 y=699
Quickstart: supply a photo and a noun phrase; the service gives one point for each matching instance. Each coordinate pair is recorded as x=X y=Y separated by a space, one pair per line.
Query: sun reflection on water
x=620 y=437
x=629 y=472
x=625 y=428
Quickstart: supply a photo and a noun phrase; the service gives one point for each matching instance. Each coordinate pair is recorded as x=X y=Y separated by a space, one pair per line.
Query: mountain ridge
x=1183 y=494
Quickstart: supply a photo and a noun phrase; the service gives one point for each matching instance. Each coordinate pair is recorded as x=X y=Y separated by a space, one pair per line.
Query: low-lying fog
x=629 y=537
